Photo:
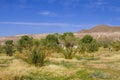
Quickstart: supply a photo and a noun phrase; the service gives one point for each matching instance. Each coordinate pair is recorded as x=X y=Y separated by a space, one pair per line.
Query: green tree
x=87 y=39
x=9 y=47
x=51 y=40
x=51 y=43
x=25 y=42
x=88 y=44
x=66 y=34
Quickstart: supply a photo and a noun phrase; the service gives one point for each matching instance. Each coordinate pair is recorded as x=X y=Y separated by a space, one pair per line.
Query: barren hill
x=102 y=28
x=101 y=32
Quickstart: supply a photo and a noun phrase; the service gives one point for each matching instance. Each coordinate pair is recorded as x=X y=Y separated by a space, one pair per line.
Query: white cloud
x=47 y=13
x=63 y=25
x=53 y=14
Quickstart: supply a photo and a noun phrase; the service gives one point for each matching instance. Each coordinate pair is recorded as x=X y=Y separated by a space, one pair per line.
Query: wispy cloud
x=63 y=25
x=47 y=13
x=53 y=14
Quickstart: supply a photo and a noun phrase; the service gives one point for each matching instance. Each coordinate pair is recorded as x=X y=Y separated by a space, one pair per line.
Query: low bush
x=9 y=47
x=68 y=53
x=38 y=57
x=116 y=45
x=99 y=74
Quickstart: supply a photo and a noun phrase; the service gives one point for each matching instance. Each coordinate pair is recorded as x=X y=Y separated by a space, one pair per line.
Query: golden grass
x=56 y=68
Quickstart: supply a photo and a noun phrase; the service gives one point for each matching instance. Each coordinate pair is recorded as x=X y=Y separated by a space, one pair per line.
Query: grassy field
x=104 y=65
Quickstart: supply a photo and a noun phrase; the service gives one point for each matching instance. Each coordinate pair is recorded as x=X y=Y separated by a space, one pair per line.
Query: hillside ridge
x=102 y=28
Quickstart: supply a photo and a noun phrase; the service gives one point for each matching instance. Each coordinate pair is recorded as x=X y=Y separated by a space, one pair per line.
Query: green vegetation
x=88 y=44
x=59 y=57
x=68 y=53
x=9 y=47
x=25 y=42
x=37 y=57
x=68 y=39
x=87 y=39
x=116 y=45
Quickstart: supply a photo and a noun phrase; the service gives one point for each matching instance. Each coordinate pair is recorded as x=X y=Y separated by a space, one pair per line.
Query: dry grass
x=62 y=69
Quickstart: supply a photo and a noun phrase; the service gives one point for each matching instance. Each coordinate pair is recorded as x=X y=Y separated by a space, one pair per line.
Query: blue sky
x=51 y=16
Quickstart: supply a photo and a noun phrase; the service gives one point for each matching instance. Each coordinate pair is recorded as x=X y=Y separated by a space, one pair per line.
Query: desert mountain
x=102 y=28
x=102 y=32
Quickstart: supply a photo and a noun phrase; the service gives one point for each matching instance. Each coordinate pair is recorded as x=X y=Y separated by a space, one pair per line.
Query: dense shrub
x=116 y=45
x=87 y=39
x=38 y=56
x=25 y=42
x=9 y=47
x=88 y=44
x=51 y=43
x=93 y=46
x=68 y=53
x=51 y=40
x=1 y=49
x=82 y=48
x=104 y=44
x=68 y=39
x=35 y=56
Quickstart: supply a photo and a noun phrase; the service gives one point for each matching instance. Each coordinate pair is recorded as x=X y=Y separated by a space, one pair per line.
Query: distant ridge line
x=102 y=28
